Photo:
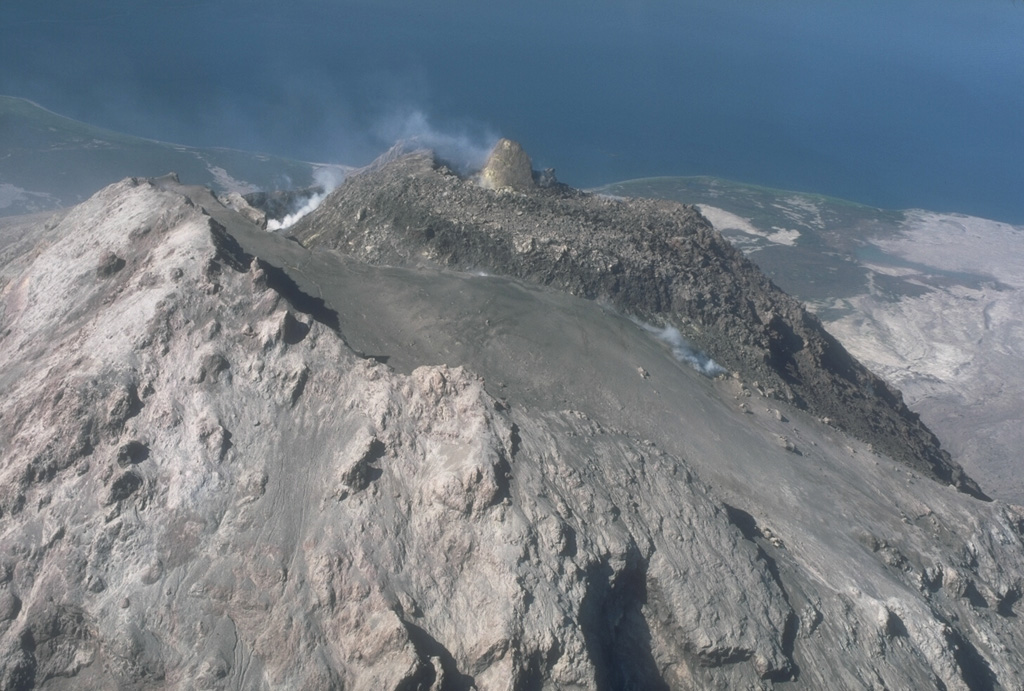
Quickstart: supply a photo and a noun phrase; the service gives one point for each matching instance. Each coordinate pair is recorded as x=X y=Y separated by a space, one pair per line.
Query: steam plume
x=467 y=151
x=683 y=350
x=327 y=180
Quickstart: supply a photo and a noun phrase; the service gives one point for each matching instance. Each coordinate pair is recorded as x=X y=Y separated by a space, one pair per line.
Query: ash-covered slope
x=209 y=478
x=652 y=259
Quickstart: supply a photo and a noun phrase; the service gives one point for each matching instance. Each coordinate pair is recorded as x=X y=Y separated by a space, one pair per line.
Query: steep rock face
x=508 y=167
x=205 y=485
x=192 y=460
x=652 y=259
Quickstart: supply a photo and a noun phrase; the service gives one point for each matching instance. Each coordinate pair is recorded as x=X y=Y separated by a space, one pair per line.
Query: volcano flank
x=444 y=435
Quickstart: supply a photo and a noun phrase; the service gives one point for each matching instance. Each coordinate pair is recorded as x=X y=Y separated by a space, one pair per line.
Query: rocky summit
x=508 y=167
x=655 y=260
x=444 y=441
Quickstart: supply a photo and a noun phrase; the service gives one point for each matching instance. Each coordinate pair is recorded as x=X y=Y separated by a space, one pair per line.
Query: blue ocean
x=896 y=104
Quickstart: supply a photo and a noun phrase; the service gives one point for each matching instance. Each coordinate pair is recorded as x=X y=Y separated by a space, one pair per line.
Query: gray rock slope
x=931 y=302
x=228 y=461
x=656 y=260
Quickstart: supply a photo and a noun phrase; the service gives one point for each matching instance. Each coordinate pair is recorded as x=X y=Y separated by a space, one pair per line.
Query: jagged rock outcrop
x=508 y=167
x=656 y=260
x=252 y=210
x=209 y=478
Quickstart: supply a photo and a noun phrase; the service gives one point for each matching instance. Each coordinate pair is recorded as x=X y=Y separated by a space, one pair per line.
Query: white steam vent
x=327 y=179
x=683 y=350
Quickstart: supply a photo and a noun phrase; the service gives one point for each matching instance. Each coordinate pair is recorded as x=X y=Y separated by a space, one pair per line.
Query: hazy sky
x=897 y=103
